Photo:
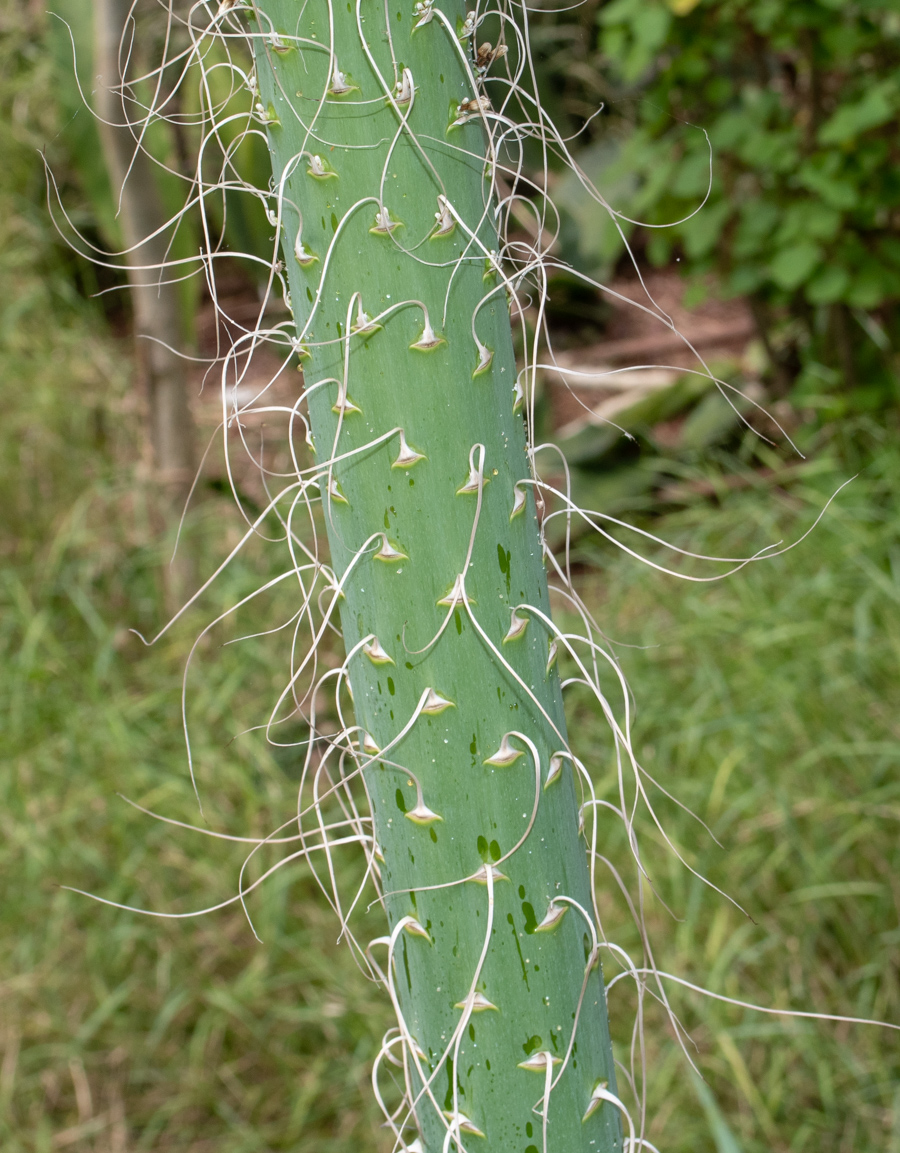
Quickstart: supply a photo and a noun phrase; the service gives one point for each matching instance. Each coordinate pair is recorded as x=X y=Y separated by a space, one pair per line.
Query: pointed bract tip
x=320 y=168
x=388 y=553
x=598 y=1096
x=479 y=1003
x=457 y=595
x=463 y=1123
x=552 y=918
x=429 y=340
x=538 y=1062
x=413 y=927
x=506 y=755
x=335 y=492
x=376 y=654
x=407 y=456
x=368 y=743
x=517 y=627
x=518 y=502
x=422 y=815
x=481 y=877
x=343 y=406
x=435 y=703
x=384 y=224
x=485 y=359
x=554 y=773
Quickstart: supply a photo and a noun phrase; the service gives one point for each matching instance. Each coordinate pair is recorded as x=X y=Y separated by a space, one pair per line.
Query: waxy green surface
x=533 y=978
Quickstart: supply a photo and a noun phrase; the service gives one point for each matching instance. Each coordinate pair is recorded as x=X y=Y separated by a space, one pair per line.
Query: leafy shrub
x=799 y=102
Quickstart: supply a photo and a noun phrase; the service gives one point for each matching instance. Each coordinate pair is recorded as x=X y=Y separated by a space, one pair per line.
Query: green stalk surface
x=541 y=982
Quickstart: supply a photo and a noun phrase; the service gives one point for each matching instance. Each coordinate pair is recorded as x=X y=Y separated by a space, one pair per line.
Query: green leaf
x=818 y=176
x=702 y=231
x=877 y=107
x=791 y=266
x=871 y=285
x=828 y=285
x=805 y=221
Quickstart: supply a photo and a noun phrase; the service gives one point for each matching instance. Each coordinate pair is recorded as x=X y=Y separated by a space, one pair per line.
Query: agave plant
x=398 y=137
x=388 y=161
x=387 y=156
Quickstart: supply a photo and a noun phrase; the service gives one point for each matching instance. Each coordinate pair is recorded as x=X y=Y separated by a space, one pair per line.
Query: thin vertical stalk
x=381 y=190
x=154 y=296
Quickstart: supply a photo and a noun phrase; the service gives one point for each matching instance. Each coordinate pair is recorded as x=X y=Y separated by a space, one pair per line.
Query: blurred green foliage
x=785 y=111
x=768 y=704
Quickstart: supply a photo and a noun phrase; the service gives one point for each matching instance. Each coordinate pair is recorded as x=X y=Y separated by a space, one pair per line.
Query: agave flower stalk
x=380 y=137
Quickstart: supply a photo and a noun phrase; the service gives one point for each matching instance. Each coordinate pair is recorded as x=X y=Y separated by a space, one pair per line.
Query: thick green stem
x=510 y=945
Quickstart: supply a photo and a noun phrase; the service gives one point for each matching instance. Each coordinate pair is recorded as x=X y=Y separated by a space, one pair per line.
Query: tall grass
x=769 y=704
